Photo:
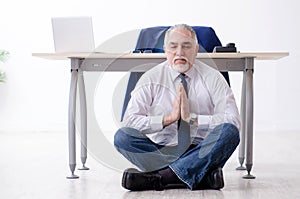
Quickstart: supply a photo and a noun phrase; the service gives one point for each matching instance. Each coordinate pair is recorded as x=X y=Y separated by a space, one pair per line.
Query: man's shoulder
x=157 y=75
x=209 y=74
x=155 y=72
x=206 y=70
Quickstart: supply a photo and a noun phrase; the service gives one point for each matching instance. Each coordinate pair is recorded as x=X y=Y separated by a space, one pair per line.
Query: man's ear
x=197 y=48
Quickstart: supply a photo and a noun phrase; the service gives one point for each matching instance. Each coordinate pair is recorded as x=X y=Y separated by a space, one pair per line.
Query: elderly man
x=181 y=124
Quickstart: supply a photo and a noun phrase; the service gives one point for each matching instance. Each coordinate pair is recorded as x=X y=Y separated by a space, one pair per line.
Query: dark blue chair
x=152 y=40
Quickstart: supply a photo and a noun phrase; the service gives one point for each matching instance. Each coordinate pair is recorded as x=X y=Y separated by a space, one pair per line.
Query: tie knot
x=182 y=77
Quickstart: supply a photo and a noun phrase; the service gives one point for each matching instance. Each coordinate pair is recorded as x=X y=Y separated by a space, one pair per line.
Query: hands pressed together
x=180 y=108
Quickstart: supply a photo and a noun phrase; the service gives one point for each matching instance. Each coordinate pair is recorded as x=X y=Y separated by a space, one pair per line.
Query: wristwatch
x=193 y=118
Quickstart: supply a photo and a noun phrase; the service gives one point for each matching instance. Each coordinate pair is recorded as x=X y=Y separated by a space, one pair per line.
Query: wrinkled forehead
x=180 y=36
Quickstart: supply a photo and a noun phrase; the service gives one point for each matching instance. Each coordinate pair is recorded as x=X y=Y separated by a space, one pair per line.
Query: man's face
x=181 y=50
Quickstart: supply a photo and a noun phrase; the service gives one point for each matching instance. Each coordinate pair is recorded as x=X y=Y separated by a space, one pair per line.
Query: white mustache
x=179 y=57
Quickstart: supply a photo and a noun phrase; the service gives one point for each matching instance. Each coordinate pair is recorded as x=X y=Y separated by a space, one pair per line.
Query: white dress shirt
x=209 y=97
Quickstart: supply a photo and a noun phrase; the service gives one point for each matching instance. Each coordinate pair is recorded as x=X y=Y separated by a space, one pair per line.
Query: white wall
x=35 y=96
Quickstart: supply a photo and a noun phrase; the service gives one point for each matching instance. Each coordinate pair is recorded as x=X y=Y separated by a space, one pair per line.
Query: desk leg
x=243 y=130
x=83 y=118
x=72 y=113
x=249 y=120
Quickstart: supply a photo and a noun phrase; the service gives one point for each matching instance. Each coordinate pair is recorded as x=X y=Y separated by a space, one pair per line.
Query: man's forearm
x=169 y=119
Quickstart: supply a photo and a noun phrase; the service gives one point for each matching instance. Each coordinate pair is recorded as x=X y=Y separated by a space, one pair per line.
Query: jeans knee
x=232 y=132
x=120 y=138
x=124 y=136
x=228 y=131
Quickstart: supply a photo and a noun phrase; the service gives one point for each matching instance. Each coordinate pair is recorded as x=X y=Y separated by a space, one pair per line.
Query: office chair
x=152 y=40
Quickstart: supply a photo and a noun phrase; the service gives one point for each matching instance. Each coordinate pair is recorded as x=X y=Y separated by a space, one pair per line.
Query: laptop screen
x=73 y=34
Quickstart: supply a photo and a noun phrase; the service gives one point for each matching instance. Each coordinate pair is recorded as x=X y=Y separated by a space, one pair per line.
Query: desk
x=142 y=62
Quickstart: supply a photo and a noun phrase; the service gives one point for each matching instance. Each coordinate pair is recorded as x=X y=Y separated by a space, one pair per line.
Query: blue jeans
x=191 y=166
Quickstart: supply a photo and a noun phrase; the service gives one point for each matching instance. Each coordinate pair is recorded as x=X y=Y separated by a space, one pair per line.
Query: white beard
x=180 y=68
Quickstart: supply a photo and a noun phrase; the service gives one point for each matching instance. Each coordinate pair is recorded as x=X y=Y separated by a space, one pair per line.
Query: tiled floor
x=35 y=165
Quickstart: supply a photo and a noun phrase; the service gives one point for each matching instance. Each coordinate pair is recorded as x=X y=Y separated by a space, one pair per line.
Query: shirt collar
x=173 y=73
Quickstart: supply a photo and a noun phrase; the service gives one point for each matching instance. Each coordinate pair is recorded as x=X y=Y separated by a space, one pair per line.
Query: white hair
x=180 y=26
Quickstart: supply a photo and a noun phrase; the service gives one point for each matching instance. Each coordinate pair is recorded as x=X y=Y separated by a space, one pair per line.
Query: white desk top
x=256 y=55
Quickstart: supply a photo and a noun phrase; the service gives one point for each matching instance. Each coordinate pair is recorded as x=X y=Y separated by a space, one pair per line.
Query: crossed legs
x=190 y=167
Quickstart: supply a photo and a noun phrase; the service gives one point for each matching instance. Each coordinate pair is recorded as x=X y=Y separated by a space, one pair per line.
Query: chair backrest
x=152 y=40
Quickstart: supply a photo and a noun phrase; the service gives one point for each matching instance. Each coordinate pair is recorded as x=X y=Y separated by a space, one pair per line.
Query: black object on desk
x=230 y=47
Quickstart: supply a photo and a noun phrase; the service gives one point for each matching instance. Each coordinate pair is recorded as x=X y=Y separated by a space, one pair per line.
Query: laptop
x=73 y=34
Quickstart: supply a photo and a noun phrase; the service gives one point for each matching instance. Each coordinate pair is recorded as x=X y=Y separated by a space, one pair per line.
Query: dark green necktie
x=184 y=137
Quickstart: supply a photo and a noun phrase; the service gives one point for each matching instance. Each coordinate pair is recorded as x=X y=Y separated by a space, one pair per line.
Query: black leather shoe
x=214 y=179
x=135 y=180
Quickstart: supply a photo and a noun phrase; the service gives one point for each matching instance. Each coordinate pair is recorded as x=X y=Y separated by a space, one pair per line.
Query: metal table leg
x=83 y=114
x=249 y=117
x=72 y=113
x=243 y=130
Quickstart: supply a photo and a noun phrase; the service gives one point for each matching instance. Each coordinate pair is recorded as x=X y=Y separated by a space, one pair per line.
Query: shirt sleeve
x=225 y=109
x=138 y=114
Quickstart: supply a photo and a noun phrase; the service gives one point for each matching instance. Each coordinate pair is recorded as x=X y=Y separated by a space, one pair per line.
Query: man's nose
x=179 y=51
